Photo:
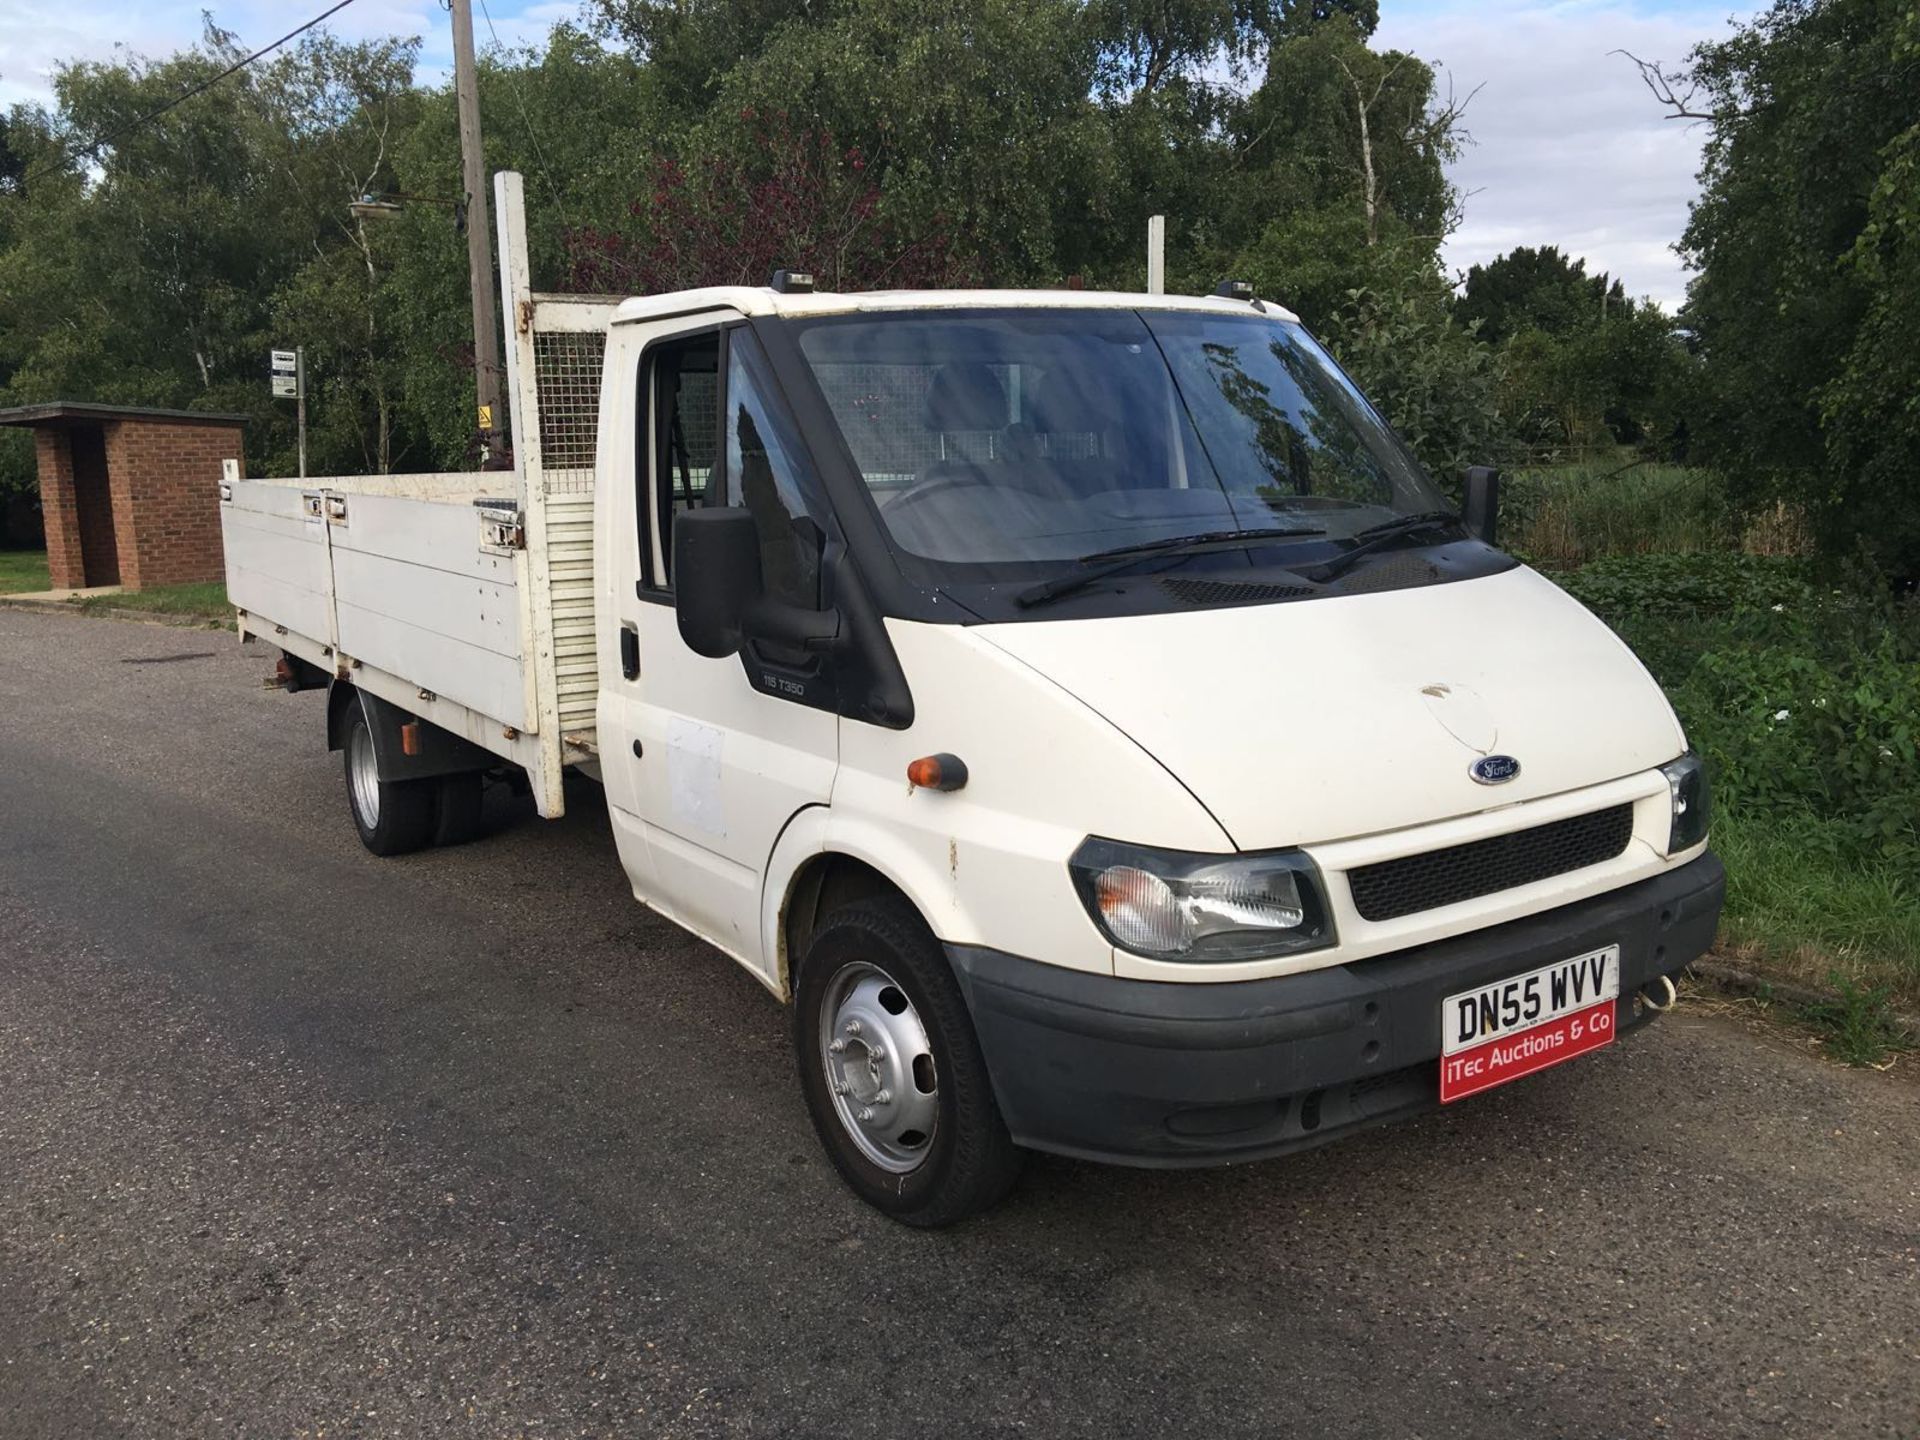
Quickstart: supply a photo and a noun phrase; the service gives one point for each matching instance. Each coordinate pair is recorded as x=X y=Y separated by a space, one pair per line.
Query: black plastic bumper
x=1142 y=1072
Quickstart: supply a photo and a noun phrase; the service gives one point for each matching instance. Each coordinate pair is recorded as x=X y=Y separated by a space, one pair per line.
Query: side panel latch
x=502 y=529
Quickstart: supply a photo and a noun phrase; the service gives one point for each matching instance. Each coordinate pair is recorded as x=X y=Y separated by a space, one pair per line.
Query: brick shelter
x=130 y=496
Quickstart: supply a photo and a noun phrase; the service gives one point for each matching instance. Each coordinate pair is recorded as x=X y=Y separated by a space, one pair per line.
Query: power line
x=181 y=99
x=539 y=150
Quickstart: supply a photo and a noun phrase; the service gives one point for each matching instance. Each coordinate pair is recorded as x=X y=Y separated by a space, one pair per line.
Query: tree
x=340 y=112
x=1298 y=16
x=974 y=117
x=1871 y=421
x=151 y=276
x=1626 y=379
x=1433 y=379
x=688 y=46
x=1586 y=368
x=1806 y=300
x=13 y=164
x=1145 y=45
x=799 y=202
x=875 y=141
x=1336 y=125
x=1331 y=177
x=1535 y=289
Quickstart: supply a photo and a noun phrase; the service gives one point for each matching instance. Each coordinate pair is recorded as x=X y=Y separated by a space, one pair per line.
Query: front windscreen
x=1009 y=441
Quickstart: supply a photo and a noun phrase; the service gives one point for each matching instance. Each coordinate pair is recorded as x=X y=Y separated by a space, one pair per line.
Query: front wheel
x=892 y=1072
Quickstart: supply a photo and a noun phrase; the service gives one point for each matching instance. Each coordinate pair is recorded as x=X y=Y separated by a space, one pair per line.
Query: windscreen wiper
x=1376 y=537
x=1103 y=563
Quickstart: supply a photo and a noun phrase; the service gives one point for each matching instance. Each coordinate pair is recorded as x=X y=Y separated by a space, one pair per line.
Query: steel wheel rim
x=880 y=1068
x=363 y=772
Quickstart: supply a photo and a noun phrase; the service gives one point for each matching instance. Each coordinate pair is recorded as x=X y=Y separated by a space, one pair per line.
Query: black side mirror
x=716 y=578
x=1482 y=510
x=719 y=593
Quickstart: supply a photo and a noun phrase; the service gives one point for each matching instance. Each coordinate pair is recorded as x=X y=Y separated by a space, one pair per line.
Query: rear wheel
x=457 y=802
x=394 y=817
x=892 y=1072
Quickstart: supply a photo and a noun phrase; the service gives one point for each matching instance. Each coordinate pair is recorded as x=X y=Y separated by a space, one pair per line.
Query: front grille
x=1393 y=888
x=1229 y=592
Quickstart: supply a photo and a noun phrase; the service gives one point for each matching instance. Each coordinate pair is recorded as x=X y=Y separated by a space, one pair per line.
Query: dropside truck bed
x=465 y=599
x=426 y=591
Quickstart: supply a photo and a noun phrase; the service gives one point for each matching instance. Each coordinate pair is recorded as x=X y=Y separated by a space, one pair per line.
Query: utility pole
x=486 y=334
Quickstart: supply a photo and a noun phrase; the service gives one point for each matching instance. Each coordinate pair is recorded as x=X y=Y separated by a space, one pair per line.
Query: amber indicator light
x=937 y=772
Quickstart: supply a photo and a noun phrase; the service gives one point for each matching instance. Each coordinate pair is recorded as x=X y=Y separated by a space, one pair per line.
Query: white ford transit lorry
x=1079 y=707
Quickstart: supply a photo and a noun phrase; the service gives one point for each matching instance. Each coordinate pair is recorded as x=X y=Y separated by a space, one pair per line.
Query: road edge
x=186 y=620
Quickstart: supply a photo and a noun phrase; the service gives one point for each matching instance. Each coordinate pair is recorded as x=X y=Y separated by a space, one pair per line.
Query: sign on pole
x=288 y=372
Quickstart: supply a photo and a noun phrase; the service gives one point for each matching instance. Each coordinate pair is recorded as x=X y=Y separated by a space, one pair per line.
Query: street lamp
x=486 y=341
x=385 y=207
x=368 y=207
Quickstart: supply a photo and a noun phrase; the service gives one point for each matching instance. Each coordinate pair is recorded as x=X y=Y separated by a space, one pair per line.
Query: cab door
x=718 y=759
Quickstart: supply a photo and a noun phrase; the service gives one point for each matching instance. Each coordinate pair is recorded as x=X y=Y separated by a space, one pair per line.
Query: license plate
x=1511 y=1028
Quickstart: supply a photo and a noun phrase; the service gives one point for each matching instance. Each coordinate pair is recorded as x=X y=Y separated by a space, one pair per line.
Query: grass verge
x=1858 y=1027
x=208 y=600
x=1797 y=912
x=23 y=571
x=1804 y=699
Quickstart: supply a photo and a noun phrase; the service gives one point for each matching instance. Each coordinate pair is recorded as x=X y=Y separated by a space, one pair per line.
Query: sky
x=1568 y=148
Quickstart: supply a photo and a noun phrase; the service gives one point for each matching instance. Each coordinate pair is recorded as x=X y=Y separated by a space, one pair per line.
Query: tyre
x=394 y=817
x=457 y=800
x=891 y=1070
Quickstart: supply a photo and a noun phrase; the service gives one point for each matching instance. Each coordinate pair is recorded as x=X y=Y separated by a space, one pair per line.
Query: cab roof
x=759 y=300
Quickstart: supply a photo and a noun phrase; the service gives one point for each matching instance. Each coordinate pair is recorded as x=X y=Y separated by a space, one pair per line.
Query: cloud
x=517 y=25
x=1569 y=149
x=37 y=36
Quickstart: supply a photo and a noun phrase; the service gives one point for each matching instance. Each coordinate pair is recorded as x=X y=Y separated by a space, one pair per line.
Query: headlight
x=1175 y=906
x=1692 y=803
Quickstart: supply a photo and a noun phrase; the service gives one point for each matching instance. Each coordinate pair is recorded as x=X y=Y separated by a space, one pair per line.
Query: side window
x=683 y=433
x=768 y=471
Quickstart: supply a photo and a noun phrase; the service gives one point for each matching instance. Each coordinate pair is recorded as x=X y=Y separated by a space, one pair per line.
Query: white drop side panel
x=416 y=596
x=276 y=546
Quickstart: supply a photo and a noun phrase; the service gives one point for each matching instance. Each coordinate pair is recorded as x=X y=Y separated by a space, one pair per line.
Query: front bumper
x=1142 y=1072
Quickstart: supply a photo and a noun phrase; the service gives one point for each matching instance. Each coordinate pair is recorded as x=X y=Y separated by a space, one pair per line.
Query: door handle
x=630 y=651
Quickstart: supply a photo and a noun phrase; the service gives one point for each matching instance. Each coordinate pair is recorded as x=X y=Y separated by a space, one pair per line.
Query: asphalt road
x=297 y=1142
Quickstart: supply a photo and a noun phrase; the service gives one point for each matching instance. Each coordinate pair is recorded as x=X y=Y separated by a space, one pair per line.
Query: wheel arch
x=434 y=751
x=342 y=695
x=815 y=872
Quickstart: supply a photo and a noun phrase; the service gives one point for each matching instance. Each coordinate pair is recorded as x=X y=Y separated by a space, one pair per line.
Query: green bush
x=1804 y=699
x=1435 y=382
x=1629 y=589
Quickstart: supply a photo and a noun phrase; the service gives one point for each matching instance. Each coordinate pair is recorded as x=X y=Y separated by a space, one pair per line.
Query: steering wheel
x=972 y=475
x=1303 y=503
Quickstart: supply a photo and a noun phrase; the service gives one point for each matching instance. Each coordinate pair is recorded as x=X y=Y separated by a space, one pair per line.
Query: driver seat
x=967 y=397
